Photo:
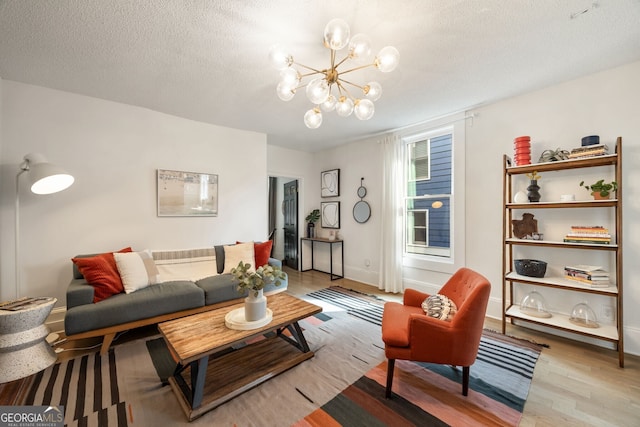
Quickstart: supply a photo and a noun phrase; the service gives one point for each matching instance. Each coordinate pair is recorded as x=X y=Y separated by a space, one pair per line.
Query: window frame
x=455 y=125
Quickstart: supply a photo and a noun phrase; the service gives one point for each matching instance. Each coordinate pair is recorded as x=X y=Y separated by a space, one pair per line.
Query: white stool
x=23 y=347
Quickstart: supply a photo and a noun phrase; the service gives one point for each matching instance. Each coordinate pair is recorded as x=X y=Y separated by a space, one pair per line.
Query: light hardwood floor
x=574 y=384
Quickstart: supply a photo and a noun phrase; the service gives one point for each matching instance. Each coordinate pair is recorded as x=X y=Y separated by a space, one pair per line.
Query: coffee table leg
x=198 y=375
x=300 y=341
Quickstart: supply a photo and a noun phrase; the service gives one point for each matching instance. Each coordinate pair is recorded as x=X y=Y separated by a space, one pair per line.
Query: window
x=428 y=194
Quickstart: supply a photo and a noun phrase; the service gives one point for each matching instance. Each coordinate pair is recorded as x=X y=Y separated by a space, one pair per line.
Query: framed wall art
x=330 y=214
x=187 y=193
x=330 y=183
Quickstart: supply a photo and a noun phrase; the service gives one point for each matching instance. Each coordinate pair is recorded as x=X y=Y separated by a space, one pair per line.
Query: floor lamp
x=44 y=178
x=23 y=347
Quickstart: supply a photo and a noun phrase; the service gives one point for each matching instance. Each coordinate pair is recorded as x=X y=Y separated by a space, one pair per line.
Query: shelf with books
x=559 y=244
x=561 y=282
x=578 y=242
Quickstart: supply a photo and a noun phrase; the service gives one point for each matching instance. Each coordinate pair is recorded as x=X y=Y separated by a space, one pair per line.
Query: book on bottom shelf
x=584 y=275
x=585 y=268
x=591 y=283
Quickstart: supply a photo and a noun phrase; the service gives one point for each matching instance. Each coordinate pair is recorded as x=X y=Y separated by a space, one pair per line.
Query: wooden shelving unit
x=510 y=308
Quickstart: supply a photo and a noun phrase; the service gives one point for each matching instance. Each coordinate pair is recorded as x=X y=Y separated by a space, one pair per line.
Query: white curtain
x=390 y=277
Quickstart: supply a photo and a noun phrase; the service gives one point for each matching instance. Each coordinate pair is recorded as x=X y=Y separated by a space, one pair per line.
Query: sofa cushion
x=101 y=272
x=219 y=288
x=151 y=301
x=187 y=264
x=234 y=254
x=137 y=270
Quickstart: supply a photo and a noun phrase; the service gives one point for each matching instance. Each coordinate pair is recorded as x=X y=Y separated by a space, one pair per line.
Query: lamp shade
x=46 y=178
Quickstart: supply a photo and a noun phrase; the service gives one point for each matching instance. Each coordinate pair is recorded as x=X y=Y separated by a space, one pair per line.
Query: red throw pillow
x=101 y=272
x=261 y=252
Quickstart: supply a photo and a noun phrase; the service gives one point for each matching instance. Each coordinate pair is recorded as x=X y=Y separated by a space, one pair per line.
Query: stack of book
x=588 y=234
x=592 y=275
x=588 y=151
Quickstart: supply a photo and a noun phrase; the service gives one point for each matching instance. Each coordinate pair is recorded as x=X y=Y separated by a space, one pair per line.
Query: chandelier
x=327 y=88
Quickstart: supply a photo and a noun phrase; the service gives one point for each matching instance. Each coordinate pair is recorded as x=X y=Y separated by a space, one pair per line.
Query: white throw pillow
x=137 y=270
x=233 y=254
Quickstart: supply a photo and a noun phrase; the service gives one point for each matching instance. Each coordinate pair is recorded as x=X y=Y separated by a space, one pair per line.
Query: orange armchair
x=409 y=334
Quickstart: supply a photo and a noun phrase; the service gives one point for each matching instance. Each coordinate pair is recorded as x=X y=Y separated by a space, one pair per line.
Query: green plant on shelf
x=313 y=216
x=601 y=187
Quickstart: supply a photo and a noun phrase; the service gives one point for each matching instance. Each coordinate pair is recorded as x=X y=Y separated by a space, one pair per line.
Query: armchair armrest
x=414 y=298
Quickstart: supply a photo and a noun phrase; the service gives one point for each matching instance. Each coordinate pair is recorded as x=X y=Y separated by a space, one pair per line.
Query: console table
x=331 y=243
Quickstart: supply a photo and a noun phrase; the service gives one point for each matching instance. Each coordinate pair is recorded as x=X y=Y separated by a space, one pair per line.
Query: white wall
x=604 y=104
x=113 y=150
x=357 y=160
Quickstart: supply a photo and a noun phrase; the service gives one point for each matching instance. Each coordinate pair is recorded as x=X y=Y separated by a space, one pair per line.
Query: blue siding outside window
x=432 y=200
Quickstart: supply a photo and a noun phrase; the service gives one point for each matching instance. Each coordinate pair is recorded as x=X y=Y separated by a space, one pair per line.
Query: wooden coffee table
x=212 y=369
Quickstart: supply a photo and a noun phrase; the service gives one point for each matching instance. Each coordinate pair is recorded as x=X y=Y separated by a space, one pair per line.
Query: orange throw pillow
x=101 y=272
x=261 y=252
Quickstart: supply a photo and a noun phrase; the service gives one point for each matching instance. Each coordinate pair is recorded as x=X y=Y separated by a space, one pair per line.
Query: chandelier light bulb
x=279 y=57
x=373 y=91
x=336 y=34
x=318 y=90
x=360 y=48
x=387 y=59
x=329 y=104
x=364 y=109
x=313 y=118
x=285 y=92
x=290 y=77
x=344 y=107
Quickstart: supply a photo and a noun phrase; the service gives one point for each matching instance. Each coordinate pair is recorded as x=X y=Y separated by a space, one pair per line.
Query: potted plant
x=253 y=281
x=311 y=219
x=600 y=189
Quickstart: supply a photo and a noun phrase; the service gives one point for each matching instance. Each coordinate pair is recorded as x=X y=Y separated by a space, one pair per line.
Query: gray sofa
x=154 y=304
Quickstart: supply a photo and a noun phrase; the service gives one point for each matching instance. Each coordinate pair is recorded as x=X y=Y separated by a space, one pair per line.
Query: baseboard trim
x=55 y=321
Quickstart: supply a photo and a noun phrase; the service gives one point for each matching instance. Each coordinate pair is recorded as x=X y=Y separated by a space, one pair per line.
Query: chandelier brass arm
x=319 y=89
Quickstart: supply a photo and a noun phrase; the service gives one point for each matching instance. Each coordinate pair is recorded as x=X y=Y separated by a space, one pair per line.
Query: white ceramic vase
x=255 y=307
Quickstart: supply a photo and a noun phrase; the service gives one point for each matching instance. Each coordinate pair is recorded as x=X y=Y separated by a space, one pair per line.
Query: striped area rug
x=362 y=306
x=87 y=387
x=429 y=394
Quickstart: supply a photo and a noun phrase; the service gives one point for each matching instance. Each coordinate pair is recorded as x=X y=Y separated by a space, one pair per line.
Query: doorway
x=283 y=218
x=290 y=211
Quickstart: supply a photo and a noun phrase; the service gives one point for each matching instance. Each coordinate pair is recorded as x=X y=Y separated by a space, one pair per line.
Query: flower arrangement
x=251 y=280
x=533 y=176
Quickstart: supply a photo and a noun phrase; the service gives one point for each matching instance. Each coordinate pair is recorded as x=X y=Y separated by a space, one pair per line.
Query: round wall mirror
x=361 y=211
x=362 y=191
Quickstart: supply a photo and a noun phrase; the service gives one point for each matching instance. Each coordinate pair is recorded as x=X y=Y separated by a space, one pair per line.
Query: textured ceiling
x=207 y=60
